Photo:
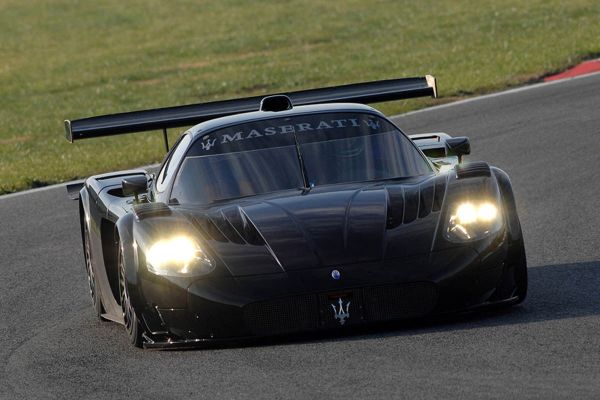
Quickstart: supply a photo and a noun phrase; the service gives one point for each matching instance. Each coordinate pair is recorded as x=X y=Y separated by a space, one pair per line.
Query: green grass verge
x=71 y=59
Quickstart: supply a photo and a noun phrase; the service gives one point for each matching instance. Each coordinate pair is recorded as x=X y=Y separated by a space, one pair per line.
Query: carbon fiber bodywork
x=275 y=254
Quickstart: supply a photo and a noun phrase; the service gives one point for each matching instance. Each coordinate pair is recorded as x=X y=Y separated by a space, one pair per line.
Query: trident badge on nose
x=340 y=314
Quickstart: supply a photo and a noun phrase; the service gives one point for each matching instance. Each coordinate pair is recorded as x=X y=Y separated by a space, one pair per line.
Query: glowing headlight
x=487 y=212
x=179 y=256
x=470 y=221
x=466 y=214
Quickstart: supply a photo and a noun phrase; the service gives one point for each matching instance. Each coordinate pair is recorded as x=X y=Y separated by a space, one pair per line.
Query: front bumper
x=167 y=342
x=228 y=308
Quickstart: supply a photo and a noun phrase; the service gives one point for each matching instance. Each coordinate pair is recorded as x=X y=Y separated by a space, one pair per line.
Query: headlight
x=179 y=256
x=473 y=220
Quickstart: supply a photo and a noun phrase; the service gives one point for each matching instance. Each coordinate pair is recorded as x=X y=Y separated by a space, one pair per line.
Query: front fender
x=509 y=203
x=129 y=251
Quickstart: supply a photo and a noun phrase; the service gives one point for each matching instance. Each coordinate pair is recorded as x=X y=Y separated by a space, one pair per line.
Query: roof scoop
x=277 y=102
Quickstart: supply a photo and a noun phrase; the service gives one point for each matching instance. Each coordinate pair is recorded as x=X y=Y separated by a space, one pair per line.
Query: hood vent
x=473 y=169
x=411 y=204
x=229 y=225
x=226 y=228
x=147 y=210
x=243 y=226
x=395 y=211
x=408 y=202
x=209 y=228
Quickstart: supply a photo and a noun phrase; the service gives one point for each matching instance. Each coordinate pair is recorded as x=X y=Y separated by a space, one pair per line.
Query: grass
x=72 y=59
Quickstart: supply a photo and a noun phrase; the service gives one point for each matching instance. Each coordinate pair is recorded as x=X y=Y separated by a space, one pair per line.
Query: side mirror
x=458 y=146
x=134 y=185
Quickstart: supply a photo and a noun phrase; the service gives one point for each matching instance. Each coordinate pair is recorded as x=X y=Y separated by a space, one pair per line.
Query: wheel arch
x=517 y=257
x=509 y=203
x=128 y=247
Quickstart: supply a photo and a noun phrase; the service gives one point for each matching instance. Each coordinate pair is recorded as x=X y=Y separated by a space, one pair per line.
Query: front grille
x=309 y=312
x=399 y=301
x=290 y=314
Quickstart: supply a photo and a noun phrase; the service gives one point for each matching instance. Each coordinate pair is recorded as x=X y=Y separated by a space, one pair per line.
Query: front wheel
x=89 y=269
x=132 y=324
x=520 y=272
x=521 y=282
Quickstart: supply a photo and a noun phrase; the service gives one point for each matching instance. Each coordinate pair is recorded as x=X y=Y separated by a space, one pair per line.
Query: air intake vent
x=312 y=312
x=411 y=203
x=473 y=169
x=400 y=301
x=408 y=202
x=209 y=228
x=291 y=314
x=226 y=228
x=278 y=102
x=395 y=210
x=147 y=210
x=242 y=224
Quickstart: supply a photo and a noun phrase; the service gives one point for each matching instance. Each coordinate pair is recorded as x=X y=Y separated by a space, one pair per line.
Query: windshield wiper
x=307 y=186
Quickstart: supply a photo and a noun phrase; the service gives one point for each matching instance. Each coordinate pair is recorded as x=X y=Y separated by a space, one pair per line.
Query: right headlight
x=178 y=256
x=473 y=220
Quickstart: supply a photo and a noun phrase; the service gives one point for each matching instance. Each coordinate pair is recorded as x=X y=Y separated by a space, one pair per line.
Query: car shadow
x=556 y=292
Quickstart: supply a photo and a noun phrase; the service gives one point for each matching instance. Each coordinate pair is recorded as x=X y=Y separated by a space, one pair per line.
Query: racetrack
x=546 y=138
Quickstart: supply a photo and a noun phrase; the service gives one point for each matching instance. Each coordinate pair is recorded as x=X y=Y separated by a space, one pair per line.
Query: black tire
x=513 y=284
x=89 y=269
x=521 y=281
x=132 y=324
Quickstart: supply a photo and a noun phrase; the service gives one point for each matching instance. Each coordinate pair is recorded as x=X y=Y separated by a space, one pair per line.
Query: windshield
x=292 y=153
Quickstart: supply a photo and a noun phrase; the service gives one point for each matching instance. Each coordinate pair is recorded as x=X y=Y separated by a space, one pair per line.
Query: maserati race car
x=295 y=212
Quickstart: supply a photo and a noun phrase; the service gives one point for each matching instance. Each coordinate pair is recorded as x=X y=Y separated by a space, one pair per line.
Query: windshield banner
x=279 y=132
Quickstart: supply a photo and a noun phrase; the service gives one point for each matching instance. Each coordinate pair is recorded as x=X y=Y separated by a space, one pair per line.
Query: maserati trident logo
x=340 y=314
x=208 y=144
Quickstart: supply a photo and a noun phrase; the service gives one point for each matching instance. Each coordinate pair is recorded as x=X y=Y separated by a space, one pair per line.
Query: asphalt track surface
x=547 y=138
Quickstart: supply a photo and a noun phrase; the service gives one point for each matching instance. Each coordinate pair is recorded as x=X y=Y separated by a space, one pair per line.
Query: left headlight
x=473 y=220
x=178 y=256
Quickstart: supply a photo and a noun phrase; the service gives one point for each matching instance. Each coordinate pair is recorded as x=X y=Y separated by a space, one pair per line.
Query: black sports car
x=297 y=212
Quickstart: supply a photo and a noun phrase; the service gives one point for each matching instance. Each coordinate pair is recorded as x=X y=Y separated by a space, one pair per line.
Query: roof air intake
x=278 y=102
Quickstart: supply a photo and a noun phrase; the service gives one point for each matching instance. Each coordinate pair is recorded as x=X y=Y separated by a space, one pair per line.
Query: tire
x=521 y=281
x=513 y=284
x=92 y=284
x=133 y=327
x=519 y=267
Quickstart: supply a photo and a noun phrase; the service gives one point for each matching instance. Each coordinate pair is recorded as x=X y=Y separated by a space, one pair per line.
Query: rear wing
x=173 y=117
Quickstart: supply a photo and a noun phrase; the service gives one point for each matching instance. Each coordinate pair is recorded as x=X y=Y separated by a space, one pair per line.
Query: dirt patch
x=149 y=82
x=16 y=139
